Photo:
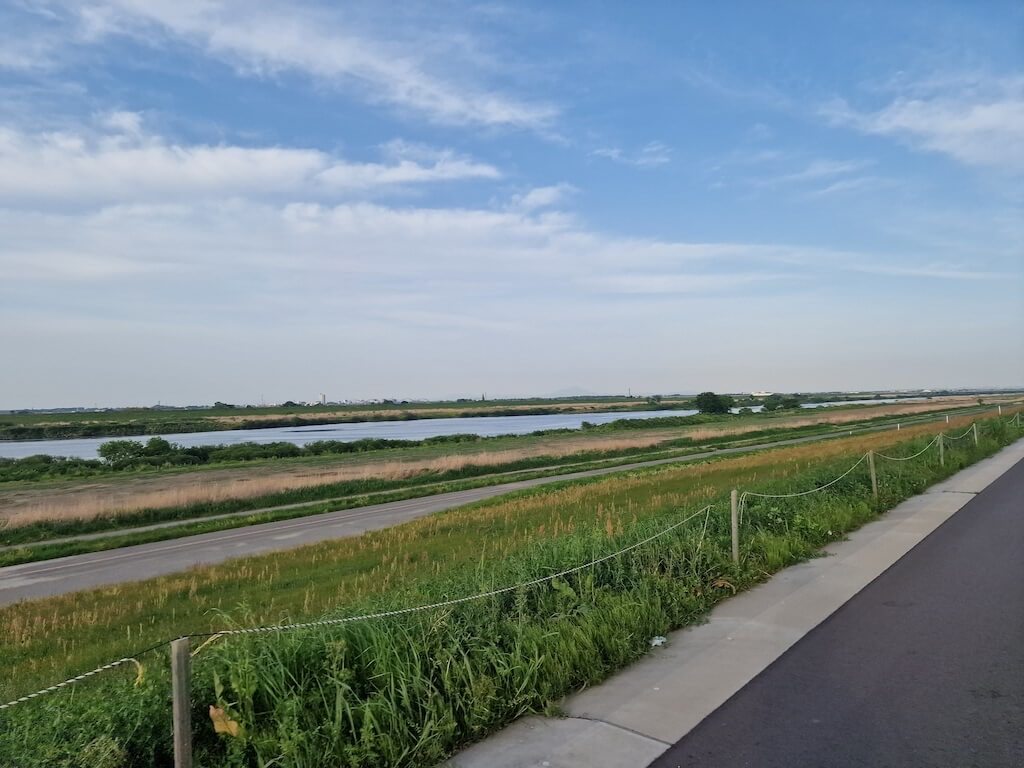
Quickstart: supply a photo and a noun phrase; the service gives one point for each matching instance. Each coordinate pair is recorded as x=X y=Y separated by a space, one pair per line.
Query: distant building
x=761 y=394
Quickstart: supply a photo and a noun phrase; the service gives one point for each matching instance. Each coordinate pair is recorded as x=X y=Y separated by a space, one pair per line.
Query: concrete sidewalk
x=637 y=714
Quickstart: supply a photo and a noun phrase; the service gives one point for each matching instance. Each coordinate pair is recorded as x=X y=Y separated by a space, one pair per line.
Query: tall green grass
x=409 y=690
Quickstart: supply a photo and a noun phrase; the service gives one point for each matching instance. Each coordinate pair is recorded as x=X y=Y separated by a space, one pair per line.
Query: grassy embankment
x=408 y=690
x=32 y=542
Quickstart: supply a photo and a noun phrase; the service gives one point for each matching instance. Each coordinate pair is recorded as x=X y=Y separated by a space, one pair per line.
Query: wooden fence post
x=735 y=504
x=181 y=701
x=975 y=426
x=942 y=450
x=874 y=476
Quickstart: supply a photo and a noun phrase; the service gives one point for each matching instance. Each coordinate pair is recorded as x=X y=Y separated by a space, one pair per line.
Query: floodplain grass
x=409 y=690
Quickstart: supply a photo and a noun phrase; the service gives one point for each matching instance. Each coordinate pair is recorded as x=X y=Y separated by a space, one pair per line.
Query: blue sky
x=207 y=200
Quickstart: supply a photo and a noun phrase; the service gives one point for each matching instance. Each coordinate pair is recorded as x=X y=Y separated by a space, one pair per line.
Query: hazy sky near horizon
x=205 y=200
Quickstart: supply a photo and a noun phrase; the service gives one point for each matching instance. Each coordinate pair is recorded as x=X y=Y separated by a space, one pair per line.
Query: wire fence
x=743 y=500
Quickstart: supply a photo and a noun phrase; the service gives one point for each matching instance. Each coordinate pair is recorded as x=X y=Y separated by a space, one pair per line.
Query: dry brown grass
x=97 y=499
x=90 y=499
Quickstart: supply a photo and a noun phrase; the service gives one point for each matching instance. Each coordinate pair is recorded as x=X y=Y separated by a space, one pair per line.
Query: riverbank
x=153 y=488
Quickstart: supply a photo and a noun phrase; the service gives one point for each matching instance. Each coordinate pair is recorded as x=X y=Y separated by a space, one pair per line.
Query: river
x=417 y=429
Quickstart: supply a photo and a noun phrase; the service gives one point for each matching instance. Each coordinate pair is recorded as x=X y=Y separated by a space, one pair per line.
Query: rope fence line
x=453 y=601
x=907 y=458
x=212 y=636
x=740 y=506
x=78 y=678
x=960 y=437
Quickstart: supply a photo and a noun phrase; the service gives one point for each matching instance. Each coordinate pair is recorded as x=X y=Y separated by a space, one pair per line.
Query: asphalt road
x=924 y=667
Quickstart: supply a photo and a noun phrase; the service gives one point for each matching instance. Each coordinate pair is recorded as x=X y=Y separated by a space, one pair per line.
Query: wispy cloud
x=652 y=154
x=978 y=121
x=813 y=172
x=261 y=40
x=934 y=271
x=820 y=177
x=692 y=283
x=850 y=184
x=543 y=197
x=117 y=160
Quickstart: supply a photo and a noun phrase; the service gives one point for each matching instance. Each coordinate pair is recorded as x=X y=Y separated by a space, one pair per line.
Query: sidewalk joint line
x=620 y=727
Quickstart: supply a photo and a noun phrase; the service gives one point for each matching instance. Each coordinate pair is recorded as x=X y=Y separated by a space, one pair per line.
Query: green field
x=408 y=690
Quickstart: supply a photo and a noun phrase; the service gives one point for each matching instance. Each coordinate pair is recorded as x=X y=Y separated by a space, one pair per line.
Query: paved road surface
x=924 y=668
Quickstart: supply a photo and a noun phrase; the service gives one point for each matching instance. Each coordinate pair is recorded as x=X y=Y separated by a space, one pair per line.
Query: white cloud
x=977 y=121
x=681 y=284
x=652 y=154
x=362 y=249
x=260 y=39
x=854 y=183
x=371 y=298
x=821 y=169
x=119 y=161
x=543 y=197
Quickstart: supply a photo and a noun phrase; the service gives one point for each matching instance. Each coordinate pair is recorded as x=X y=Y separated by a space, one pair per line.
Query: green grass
x=409 y=690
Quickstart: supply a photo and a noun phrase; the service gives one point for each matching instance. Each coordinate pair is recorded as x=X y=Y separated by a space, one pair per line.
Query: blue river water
x=485 y=426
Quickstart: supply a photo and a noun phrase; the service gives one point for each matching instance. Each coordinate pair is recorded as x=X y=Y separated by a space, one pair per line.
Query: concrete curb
x=633 y=717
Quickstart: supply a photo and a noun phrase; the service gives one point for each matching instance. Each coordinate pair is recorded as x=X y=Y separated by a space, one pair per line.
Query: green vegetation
x=120 y=455
x=709 y=402
x=408 y=690
x=780 y=402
